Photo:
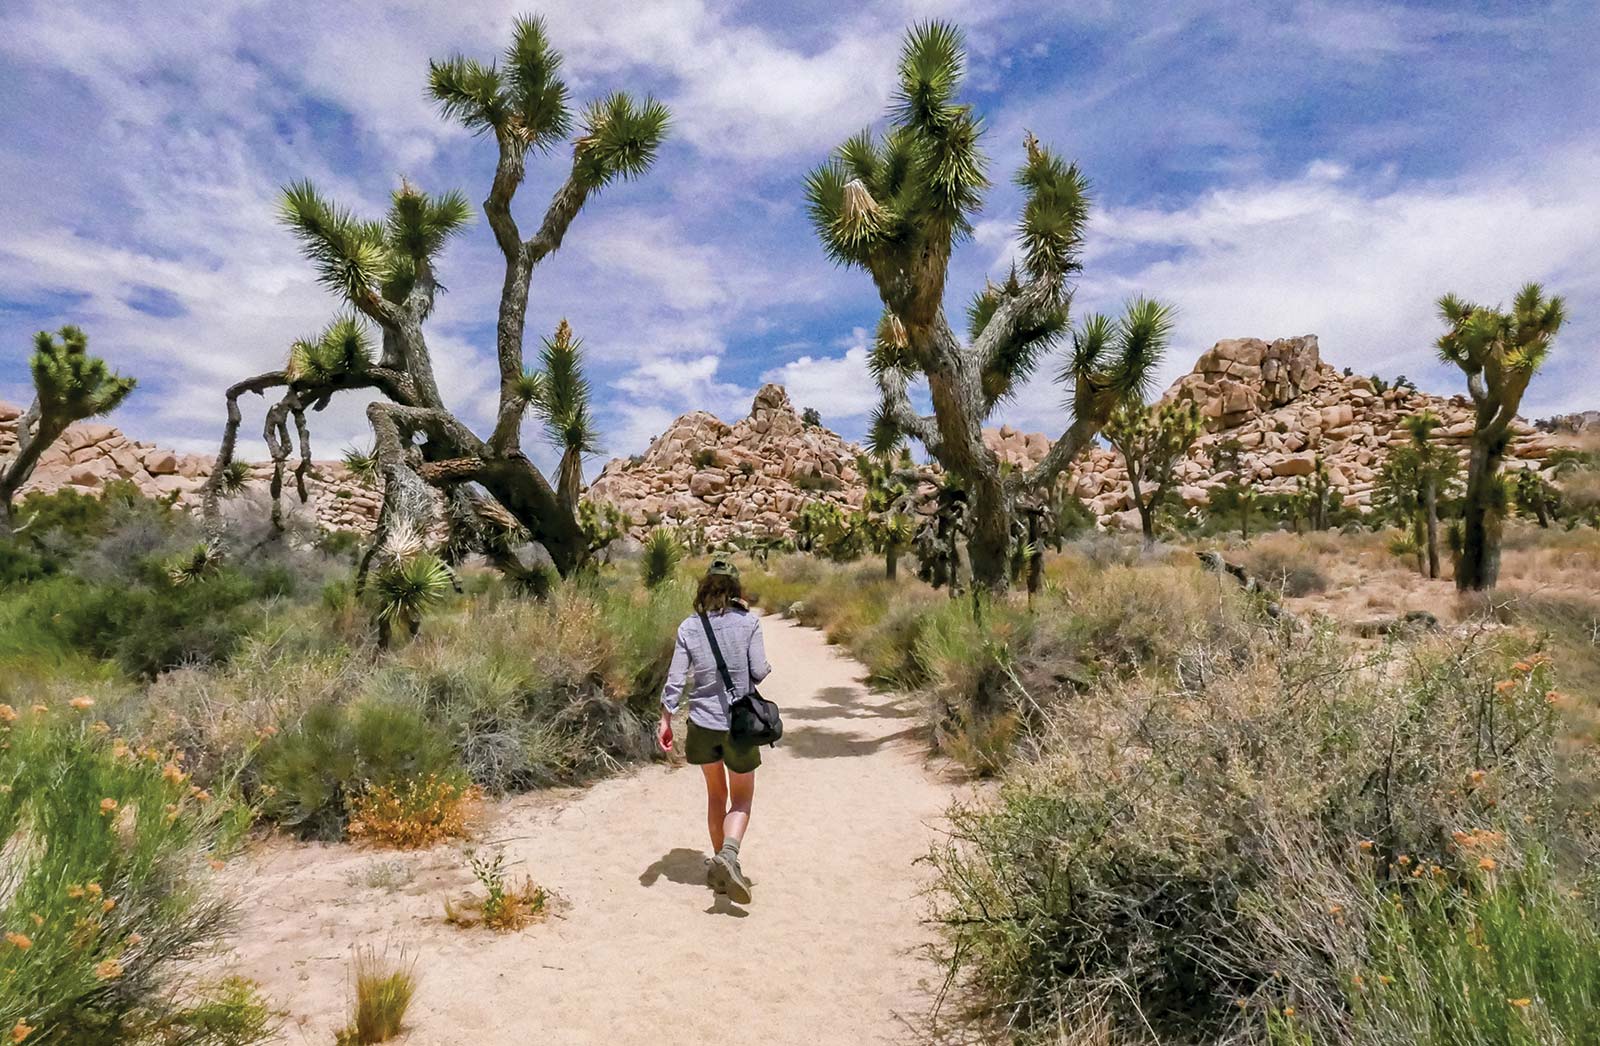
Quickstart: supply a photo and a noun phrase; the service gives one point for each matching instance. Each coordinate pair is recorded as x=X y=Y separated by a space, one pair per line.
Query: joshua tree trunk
x=1430 y=515
x=1035 y=557
x=1478 y=565
x=1147 y=513
x=891 y=560
x=33 y=439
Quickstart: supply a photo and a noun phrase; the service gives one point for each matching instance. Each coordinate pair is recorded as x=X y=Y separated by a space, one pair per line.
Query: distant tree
x=810 y=418
x=68 y=385
x=1410 y=485
x=384 y=270
x=603 y=525
x=1152 y=440
x=888 y=513
x=896 y=206
x=1536 y=496
x=1499 y=352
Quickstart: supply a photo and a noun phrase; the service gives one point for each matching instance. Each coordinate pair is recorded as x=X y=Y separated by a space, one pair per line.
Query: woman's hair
x=717 y=592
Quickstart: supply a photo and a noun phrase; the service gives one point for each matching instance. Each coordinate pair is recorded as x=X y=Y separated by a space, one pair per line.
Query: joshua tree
x=68 y=385
x=895 y=207
x=603 y=524
x=1499 y=352
x=887 y=506
x=1152 y=440
x=1536 y=496
x=1432 y=470
x=385 y=271
x=562 y=402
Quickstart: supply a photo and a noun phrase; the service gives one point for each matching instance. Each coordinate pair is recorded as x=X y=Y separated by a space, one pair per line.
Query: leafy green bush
x=102 y=899
x=1200 y=855
x=310 y=772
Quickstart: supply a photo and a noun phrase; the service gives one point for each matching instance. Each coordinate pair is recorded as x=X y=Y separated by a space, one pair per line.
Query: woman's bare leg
x=717 y=802
x=742 y=789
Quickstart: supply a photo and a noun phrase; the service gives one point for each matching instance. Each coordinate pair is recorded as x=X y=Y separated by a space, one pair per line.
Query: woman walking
x=729 y=766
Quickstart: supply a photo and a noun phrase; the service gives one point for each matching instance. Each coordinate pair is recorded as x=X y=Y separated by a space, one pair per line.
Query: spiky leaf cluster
x=407 y=589
x=522 y=100
x=661 y=556
x=560 y=394
x=361 y=260
x=1114 y=361
x=70 y=383
x=879 y=201
x=200 y=562
x=343 y=348
x=234 y=478
x=362 y=465
x=1500 y=350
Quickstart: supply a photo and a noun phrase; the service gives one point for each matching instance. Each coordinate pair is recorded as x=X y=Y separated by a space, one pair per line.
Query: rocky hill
x=90 y=454
x=1282 y=404
x=1277 y=401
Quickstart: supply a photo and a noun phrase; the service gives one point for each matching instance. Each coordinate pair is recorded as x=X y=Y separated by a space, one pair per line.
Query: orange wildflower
x=1487 y=864
x=20 y=1030
x=7 y=714
x=74 y=891
x=109 y=970
x=1503 y=685
x=1520 y=1003
x=107 y=805
x=80 y=703
x=20 y=941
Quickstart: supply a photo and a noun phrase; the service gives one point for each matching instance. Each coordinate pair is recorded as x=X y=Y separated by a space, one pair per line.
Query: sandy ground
x=641 y=951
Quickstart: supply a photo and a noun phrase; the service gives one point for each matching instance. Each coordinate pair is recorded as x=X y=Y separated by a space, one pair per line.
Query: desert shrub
x=312 y=772
x=505 y=904
x=383 y=988
x=413 y=813
x=102 y=895
x=1285 y=563
x=1189 y=856
x=659 y=562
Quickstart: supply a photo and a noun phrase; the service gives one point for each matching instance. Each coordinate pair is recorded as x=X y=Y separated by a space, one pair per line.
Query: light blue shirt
x=739 y=638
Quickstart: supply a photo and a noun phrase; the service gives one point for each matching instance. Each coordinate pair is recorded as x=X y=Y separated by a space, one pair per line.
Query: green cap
x=724 y=566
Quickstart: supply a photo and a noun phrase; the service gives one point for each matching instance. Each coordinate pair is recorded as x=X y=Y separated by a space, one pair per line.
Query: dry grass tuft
x=384 y=988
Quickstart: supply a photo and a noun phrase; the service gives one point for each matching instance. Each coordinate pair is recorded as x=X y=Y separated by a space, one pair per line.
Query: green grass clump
x=104 y=894
x=383 y=989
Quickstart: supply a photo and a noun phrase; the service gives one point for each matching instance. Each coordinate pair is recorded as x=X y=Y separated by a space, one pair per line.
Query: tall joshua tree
x=1152 y=440
x=896 y=206
x=385 y=272
x=1499 y=351
x=68 y=385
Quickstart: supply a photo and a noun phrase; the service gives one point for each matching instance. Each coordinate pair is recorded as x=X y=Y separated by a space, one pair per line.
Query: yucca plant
x=895 y=206
x=1499 y=352
x=411 y=582
x=232 y=479
x=385 y=272
x=363 y=465
x=562 y=403
x=200 y=562
x=68 y=385
x=661 y=556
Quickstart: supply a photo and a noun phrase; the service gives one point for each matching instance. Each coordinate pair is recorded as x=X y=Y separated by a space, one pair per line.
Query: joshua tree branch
x=897 y=408
x=1008 y=318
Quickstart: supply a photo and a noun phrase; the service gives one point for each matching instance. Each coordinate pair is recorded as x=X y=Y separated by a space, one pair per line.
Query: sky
x=1271 y=169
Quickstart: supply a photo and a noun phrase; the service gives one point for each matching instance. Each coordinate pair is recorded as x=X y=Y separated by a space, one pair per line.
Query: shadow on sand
x=688 y=868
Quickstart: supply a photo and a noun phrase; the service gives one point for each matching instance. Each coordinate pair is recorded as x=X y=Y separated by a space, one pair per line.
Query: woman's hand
x=664 y=733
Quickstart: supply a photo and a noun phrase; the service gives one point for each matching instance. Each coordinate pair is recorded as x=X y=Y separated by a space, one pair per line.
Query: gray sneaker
x=714 y=877
x=732 y=880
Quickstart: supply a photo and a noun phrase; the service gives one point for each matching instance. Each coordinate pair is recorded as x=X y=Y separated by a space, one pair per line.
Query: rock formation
x=90 y=454
x=1277 y=403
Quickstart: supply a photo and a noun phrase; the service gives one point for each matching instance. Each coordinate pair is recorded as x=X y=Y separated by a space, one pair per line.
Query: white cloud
x=837 y=386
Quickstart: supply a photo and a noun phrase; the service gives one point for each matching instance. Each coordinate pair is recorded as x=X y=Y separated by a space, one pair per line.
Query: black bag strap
x=716 y=652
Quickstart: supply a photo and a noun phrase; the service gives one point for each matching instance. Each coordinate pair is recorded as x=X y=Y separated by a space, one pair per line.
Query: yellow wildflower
x=74 y=891
x=1520 y=1003
x=100 y=726
x=174 y=773
x=109 y=970
x=7 y=714
x=108 y=904
x=20 y=941
x=93 y=889
x=1288 y=1011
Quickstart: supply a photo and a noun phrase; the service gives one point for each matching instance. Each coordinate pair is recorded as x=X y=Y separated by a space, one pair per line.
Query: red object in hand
x=664 y=734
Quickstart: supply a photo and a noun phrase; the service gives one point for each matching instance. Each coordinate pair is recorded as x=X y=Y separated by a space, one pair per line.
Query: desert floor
x=638 y=949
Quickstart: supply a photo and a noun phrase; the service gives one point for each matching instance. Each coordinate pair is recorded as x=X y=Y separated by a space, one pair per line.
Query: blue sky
x=1272 y=168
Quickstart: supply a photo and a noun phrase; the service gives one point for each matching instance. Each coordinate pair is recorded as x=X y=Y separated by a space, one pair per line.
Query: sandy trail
x=642 y=951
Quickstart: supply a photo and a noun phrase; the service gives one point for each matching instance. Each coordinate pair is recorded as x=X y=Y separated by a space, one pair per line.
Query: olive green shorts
x=705 y=745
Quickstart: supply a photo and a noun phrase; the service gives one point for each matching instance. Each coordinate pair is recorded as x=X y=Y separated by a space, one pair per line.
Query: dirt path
x=642 y=951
